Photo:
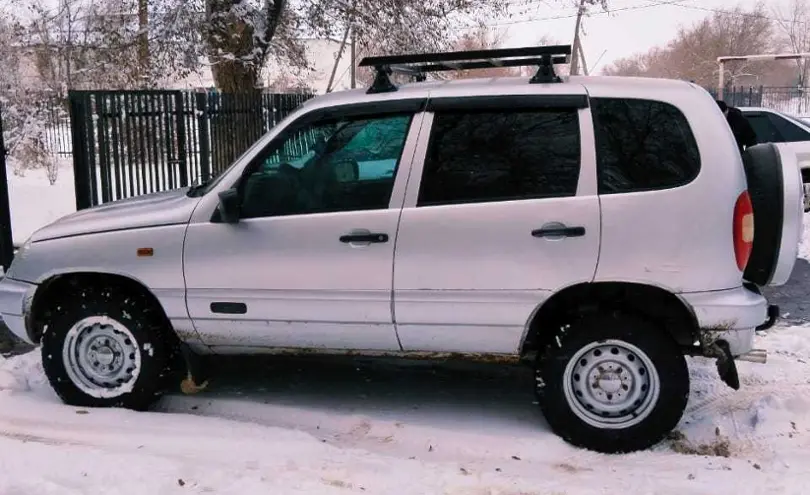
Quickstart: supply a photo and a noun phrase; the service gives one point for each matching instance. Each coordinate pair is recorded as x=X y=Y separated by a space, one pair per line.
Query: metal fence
x=794 y=101
x=739 y=96
x=57 y=130
x=128 y=143
x=790 y=100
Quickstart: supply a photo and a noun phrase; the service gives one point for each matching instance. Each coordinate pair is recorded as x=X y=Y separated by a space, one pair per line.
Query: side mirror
x=229 y=203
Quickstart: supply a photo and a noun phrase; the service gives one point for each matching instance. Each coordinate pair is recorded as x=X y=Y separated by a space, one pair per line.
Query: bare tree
x=111 y=44
x=692 y=54
x=484 y=39
x=794 y=26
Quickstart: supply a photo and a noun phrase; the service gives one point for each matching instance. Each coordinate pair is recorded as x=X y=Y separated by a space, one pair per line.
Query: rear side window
x=789 y=131
x=642 y=145
x=764 y=128
x=498 y=156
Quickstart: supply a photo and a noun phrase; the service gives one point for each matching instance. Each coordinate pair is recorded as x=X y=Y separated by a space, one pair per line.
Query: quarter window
x=642 y=145
x=497 y=156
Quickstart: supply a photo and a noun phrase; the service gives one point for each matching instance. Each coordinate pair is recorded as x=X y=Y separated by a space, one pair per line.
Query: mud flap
x=773 y=315
x=194 y=372
x=726 y=367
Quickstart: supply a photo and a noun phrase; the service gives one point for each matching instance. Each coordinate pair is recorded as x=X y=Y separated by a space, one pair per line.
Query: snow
x=341 y=425
x=35 y=202
x=349 y=425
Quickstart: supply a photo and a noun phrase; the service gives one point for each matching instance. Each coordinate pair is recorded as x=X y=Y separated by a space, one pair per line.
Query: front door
x=309 y=264
x=501 y=213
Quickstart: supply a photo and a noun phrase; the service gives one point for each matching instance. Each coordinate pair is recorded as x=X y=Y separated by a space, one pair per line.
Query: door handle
x=370 y=237
x=561 y=231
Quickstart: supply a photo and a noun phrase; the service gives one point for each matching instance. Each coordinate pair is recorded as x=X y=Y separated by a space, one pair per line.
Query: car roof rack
x=418 y=65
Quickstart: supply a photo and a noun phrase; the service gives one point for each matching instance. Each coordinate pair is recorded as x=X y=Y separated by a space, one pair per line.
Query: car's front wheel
x=614 y=384
x=106 y=347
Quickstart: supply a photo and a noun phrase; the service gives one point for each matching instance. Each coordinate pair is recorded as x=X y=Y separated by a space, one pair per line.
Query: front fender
x=115 y=253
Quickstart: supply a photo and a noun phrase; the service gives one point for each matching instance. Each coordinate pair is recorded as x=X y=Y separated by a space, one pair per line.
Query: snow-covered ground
x=35 y=203
x=340 y=425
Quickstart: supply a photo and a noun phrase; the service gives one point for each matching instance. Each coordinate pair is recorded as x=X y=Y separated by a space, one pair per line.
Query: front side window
x=487 y=156
x=642 y=145
x=328 y=166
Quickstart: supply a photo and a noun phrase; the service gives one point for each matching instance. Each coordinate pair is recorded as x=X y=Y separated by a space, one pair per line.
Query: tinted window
x=764 y=128
x=789 y=131
x=326 y=167
x=642 y=145
x=497 y=156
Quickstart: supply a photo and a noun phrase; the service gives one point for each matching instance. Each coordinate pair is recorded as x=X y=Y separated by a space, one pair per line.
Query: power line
x=753 y=15
x=571 y=16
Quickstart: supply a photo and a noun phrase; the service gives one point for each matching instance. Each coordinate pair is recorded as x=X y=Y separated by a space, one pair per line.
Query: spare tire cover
x=763 y=170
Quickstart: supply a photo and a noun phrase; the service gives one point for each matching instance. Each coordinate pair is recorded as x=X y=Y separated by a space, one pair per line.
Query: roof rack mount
x=418 y=65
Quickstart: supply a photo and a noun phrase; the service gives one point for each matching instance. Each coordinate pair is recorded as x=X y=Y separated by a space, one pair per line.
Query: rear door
x=500 y=212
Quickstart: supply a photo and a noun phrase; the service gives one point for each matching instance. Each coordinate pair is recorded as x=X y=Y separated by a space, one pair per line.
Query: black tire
x=664 y=413
x=146 y=324
x=763 y=171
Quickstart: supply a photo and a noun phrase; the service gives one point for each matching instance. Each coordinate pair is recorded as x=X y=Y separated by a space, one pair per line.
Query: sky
x=633 y=25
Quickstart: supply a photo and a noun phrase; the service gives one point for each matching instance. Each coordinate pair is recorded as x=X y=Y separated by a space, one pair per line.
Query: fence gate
x=6 y=241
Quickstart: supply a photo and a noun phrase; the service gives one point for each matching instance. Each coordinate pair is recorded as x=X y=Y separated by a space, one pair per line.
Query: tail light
x=743 y=229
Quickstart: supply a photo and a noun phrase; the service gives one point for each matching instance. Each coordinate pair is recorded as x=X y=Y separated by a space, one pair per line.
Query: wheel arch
x=70 y=280
x=647 y=301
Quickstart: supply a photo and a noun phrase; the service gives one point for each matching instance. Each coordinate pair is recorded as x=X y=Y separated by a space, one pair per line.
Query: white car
x=773 y=126
x=600 y=229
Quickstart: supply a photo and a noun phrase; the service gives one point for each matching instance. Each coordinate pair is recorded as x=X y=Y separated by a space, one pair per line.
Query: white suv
x=600 y=229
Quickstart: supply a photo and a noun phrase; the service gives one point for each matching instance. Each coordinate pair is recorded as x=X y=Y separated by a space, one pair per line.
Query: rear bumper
x=15 y=304
x=729 y=315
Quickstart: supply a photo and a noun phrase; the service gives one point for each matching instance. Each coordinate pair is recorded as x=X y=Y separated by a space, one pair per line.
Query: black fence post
x=6 y=239
x=81 y=167
x=201 y=104
x=182 y=157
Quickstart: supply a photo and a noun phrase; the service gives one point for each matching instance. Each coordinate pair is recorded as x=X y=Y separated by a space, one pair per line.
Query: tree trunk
x=237 y=55
x=234 y=76
x=143 y=40
x=235 y=50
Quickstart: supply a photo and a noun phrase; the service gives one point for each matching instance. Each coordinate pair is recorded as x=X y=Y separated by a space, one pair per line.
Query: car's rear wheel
x=614 y=384
x=103 y=347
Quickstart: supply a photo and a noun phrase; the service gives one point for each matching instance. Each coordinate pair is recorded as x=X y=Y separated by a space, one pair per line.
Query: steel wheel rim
x=611 y=384
x=101 y=357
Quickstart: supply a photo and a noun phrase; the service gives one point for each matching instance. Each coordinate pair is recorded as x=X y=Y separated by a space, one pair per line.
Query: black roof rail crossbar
x=417 y=65
x=498 y=53
x=483 y=64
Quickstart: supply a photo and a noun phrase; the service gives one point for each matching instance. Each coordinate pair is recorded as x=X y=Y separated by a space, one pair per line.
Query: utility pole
x=577 y=48
x=582 y=60
x=337 y=60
